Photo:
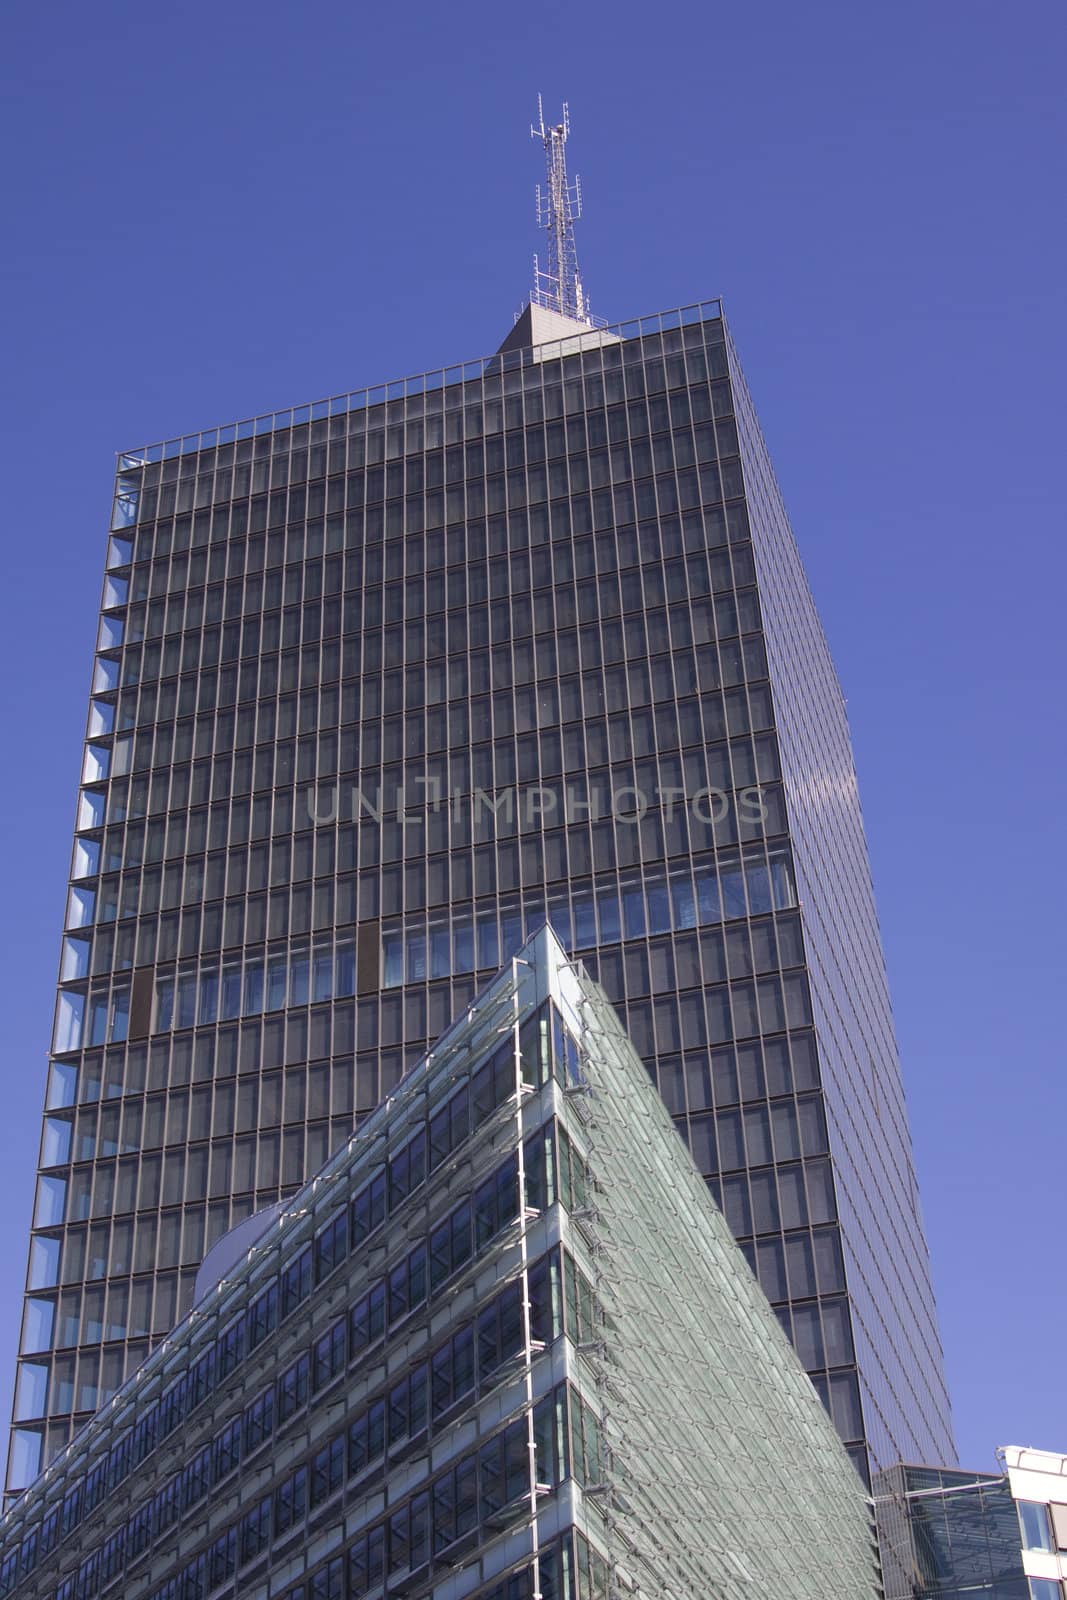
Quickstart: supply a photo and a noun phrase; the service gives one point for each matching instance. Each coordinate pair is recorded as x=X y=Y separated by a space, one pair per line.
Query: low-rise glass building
x=502 y=1344
x=956 y=1535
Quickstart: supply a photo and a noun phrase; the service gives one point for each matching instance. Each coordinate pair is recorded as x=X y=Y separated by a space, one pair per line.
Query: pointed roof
x=538 y=325
x=538 y=328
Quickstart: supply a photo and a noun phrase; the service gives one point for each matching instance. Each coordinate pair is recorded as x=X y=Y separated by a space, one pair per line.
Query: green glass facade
x=503 y=1345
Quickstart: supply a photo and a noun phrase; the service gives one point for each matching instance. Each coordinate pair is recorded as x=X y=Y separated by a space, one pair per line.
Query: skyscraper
x=380 y=683
x=460 y=1363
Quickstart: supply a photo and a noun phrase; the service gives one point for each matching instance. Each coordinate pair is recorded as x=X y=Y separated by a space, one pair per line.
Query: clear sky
x=213 y=210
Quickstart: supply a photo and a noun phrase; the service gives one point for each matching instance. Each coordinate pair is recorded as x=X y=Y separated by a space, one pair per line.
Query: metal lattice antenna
x=559 y=205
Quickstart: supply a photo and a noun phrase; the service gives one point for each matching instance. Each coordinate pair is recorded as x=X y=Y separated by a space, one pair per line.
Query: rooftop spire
x=559 y=205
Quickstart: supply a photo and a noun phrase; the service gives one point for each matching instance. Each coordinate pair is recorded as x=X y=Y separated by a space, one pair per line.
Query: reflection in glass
x=24 y=1458
x=62 y=1085
x=112 y=630
x=91 y=806
x=37 y=1327
x=101 y=718
x=1033 y=1515
x=74 y=962
x=97 y=763
x=55 y=1143
x=119 y=551
x=81 y=904
x=31 y=1392
x=86 y=858
x=51 y=1202
x=683 y=899
x=105 y=675
x=44 y=1263
x=70 y=1014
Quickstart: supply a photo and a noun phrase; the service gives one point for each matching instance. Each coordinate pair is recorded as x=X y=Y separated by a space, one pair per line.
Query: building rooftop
x=408 y=394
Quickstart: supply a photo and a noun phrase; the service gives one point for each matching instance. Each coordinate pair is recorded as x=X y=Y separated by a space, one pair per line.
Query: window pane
x=1036 y=1532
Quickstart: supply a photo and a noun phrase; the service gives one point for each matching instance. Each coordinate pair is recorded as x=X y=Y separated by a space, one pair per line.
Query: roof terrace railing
x=406 y=389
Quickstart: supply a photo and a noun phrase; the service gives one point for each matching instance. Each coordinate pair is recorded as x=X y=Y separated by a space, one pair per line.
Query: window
x=329 y=1356
x=1059 y=1524
x=499 y=1331
x=455 y=1504
x=1037 y=1535
x=368 y=1209
x=407 y=1284
x=367 y=1319
x=228 y=1449
x=505 y=1467
x=450 y=1246
x=584 y=1443
x=167 y=1505
x=72 y=1508
x=201 y=1378
x=262 y=1315
x=255 y=1530
x=196 y=1479
x=32 y=1391
x=259 y=1420
x=290 y=1501
x=419 y=1531
x=449 y=1127
x=366 y=1439
x=659 y=902
x=452 y=1371
x=331 y=1246
x=88 y=1576
x=221 y=1558
x=296 y=1282
x=407 y=1406
x=407 y=1169
x=293 y=1388
x=50 y=1531
x=366 y=1563
x=231 y=1346
x=493 y=1082
x=327 y=1583
x=495 y=1203
x=28 y=1556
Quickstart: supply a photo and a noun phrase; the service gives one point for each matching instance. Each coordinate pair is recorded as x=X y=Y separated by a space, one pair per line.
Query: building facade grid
x=509 y=1421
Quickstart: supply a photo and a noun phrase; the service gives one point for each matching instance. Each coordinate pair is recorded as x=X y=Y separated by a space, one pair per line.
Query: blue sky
x=213 y=211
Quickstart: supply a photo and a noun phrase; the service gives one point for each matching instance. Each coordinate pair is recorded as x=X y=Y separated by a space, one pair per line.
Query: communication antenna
x=558 y=287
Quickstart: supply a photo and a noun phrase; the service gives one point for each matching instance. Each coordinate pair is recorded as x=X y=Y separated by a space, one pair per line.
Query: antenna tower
x=558 y=287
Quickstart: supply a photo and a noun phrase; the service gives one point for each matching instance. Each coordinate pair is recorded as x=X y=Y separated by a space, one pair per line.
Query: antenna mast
x=559 y=205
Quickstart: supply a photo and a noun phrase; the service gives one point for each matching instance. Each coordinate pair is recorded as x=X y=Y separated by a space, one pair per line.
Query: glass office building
x=947 y=1534
x=382 y=683
x=954 y=1535
x=459 y=1363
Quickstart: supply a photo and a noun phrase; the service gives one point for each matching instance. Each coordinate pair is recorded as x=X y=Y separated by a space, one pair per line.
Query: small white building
x=1038 y=1483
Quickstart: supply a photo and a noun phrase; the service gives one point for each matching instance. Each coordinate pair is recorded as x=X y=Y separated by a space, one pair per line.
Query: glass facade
x=894 y=1320
x=947 y=1534
x=383 y=683
x=420 y=1377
